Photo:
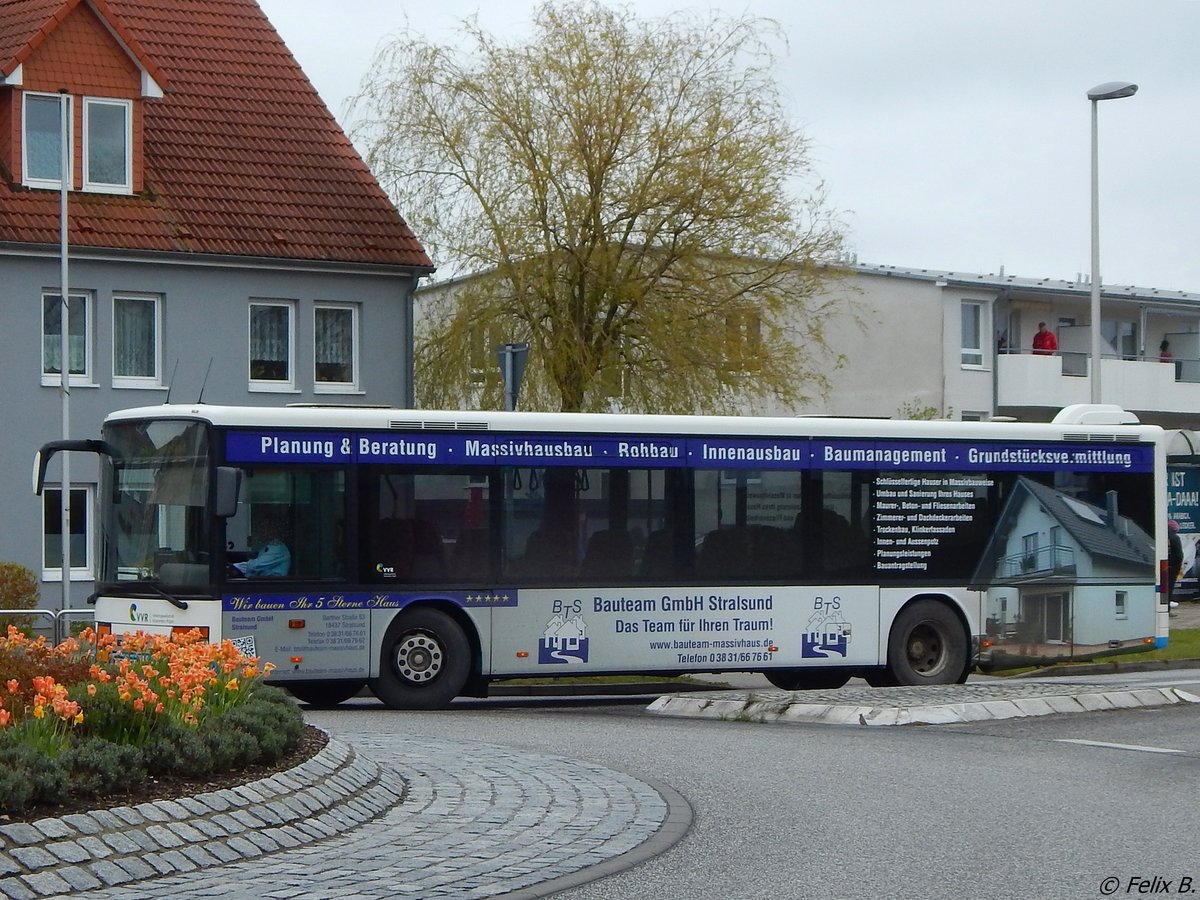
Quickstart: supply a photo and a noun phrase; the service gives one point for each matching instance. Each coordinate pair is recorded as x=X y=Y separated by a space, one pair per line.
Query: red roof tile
x=241 y=156
x=27 y=23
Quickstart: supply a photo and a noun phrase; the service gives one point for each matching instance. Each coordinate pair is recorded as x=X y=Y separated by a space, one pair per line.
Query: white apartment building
x=930 y=343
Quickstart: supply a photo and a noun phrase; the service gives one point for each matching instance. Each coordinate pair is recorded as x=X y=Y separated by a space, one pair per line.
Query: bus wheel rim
x=419 y=658
x=926 y=650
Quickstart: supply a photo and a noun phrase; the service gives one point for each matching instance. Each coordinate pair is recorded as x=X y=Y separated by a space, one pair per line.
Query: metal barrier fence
x=59 y=619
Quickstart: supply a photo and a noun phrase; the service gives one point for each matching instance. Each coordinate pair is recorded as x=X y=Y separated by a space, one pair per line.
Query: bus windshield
x=155 y=529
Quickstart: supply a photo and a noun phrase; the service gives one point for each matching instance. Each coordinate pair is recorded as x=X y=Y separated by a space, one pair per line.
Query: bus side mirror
x=39 y=473
x=41 y=459
x=229 y=486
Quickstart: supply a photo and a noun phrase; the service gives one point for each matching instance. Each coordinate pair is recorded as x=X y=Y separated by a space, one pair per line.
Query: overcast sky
x=952 y=134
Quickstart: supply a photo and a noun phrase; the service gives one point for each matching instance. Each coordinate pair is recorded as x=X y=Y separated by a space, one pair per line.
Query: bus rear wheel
x=806 y=679
x=927 y=645
x=425 y=663
x=324 y=695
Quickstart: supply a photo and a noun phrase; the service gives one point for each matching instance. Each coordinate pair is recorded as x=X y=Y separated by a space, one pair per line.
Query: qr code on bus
x=244 y=645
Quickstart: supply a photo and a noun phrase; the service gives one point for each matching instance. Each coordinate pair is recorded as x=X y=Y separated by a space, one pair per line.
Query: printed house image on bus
x=1066 y=576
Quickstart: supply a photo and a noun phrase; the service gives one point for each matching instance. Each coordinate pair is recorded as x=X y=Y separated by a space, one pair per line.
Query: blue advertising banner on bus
x=676 y=452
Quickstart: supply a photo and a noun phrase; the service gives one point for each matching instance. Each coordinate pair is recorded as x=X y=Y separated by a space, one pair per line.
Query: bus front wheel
x=807 y=679
x=425 y=663
x=927 y=645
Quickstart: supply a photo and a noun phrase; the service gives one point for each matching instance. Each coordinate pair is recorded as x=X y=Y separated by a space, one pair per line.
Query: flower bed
x=84 y=719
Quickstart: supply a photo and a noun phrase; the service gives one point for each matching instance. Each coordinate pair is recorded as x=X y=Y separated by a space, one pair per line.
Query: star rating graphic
x=488 y=599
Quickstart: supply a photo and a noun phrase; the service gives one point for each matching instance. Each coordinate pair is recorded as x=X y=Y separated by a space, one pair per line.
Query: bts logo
x=819 y=645
x=827 y=633
x=564 y=642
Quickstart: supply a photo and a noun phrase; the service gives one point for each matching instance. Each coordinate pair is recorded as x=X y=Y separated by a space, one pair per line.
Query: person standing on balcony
x=1044 y=342
x=1164 y=351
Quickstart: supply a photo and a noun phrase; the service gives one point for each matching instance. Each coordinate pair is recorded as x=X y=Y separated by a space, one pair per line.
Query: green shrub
x=45 y=778
x=18 y=590
x=177 y=749
x=271 y=717
x=16 y=789
x=231 y=746
x=97 y=766
x=107 y=716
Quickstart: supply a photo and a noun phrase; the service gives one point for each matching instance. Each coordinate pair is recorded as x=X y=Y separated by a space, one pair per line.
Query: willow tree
x=625 y=195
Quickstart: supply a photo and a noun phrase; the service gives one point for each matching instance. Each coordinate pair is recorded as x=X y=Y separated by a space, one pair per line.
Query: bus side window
x=428 y=558
x=609 y=555
x=845 y=548
x=658 y=559
x=305 y=509
x=392 y=547
x=726 y=553
x=471 y=557
x=549 y=553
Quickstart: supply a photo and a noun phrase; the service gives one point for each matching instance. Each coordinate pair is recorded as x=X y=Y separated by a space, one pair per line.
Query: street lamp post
x=1110 y=90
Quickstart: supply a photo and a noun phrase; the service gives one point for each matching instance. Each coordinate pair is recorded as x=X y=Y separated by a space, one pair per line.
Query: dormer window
x=107 y=142
x=42 y=143
x=107 y=145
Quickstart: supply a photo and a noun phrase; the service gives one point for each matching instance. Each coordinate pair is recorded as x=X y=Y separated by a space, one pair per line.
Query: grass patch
x=1183 y=643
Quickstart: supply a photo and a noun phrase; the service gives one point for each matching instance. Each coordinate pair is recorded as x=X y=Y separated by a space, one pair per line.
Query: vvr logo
x=135 y=616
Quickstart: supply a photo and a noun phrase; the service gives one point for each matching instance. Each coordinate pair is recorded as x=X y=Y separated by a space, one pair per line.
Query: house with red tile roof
x=225 y=241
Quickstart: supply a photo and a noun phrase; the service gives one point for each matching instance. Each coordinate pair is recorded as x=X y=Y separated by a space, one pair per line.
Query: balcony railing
x=1040 y=562
x=1027 y=379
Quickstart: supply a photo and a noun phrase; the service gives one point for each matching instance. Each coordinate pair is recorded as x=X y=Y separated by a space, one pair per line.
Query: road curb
x=944 y=705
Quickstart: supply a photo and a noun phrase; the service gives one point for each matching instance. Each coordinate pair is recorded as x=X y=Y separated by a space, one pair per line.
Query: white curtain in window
x=106 y=138
x=52 y=334
x=134 y=352
x=269 y=342
x=334 y=345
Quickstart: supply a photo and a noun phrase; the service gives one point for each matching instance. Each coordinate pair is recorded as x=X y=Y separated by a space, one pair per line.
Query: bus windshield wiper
x=174 y=601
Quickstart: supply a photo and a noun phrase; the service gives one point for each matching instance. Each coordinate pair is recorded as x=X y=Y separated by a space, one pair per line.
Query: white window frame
x=271 y=385
x=53 y=379
x=972 y=357
x=138 y=381
x=103 y=187
x=47 y=183
x=338 y=387
x=86 y=572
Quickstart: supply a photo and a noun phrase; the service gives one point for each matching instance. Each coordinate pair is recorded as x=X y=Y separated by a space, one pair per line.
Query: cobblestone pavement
x=387 y=819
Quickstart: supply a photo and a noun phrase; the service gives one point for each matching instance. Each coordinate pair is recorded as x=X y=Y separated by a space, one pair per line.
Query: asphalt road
x=1027 y=808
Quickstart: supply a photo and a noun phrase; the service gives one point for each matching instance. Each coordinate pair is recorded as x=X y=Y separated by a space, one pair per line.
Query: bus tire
x=807 y=679
x=325 y=694
x=425 y=661
x=927 y=645
x=880 y=678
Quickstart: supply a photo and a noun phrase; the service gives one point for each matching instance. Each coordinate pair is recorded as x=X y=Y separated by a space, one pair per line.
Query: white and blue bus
x=431 y=553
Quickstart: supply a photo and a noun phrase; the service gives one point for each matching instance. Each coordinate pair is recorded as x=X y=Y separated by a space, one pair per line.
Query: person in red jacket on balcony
x=1044 y=342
